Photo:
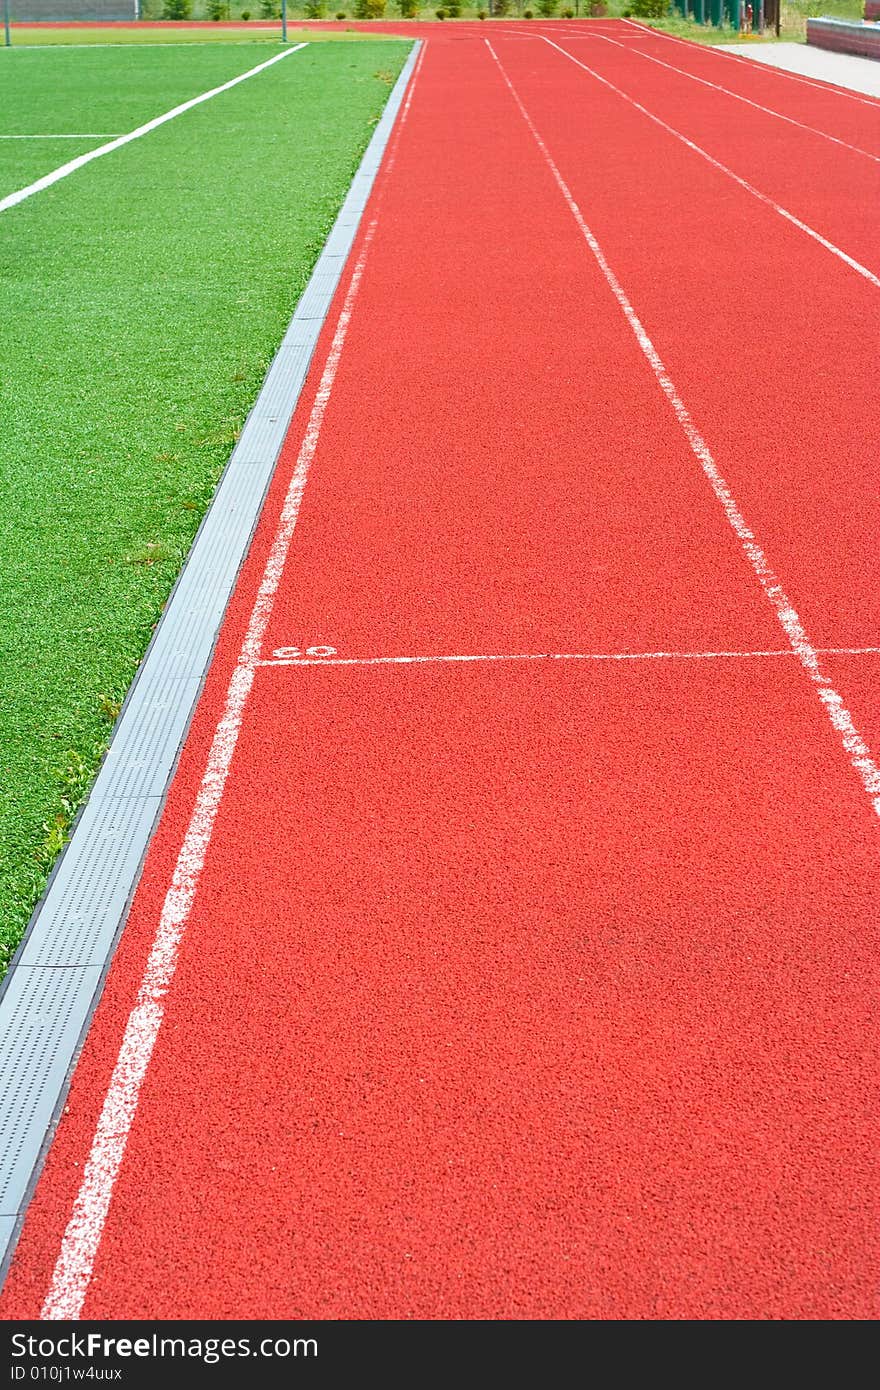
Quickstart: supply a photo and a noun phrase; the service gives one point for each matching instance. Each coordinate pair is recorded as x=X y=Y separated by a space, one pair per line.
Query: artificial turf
x=91 y=91
x=141 y=301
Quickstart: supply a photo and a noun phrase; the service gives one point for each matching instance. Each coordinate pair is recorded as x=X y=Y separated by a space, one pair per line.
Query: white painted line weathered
x=737 y=96
x=100 y=135
x=314 y=660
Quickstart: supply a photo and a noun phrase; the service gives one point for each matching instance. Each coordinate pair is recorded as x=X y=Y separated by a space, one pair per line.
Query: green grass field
x=141 y=301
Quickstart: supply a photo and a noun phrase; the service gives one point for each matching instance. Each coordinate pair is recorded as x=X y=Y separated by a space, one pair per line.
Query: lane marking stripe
x=716 y=163
x=859 y=754
x=553 y=656
x=79 y=1247
x=756 y=64
x=737 y=96
x=13 y=199
x=82 y=1237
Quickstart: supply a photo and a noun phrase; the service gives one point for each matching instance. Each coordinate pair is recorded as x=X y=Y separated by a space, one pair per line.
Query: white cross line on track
x=554 y=656
x=13 y=199
x=725 y=169
x=737 y=96
x=858 y=752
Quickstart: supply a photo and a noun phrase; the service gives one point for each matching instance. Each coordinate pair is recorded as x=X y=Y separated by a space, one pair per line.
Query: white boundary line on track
x=857 y=750
x=737 y=96
x=553 y=656
x=73 y=1270
x=82 y=1237
x=13 y=199
x=725 y=169
x=723 y=52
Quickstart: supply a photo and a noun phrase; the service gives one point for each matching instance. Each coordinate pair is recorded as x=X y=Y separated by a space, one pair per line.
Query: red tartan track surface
x=531 y=988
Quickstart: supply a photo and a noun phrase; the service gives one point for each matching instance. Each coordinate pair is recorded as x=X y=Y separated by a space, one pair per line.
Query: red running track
x=527 y=988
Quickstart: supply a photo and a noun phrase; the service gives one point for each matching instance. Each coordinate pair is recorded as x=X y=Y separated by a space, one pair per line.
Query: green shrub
x=270 y=9
x=527 y=14
x=453 y=8
x=649 y=9
x=369 y=9
x=441 y=14
x=177 y=9
x=501 y=8
x=316 y=9
x=568 y=14
x=598 y=8
x=547 y=8
x=217 y=9
x=408 y=8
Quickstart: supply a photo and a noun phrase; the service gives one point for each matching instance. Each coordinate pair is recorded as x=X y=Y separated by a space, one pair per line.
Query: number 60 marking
x=290 y=653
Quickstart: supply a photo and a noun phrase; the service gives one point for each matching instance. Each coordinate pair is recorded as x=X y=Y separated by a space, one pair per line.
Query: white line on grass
x=716 y=163
x=737 y=96
x=100 y=135
x=73 y=1269
x=553 y=656
x=12 y=199
x=858 y=751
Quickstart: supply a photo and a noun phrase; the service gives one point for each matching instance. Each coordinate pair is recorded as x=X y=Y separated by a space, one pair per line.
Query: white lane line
x=553 y=656
x=391 y=154
x=82 y=1237
x=73 y=1270
x=723 y=52
x=859 y=754
x=716 y=163
x=100 y=135
x=737 y=96
x=13 y=199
